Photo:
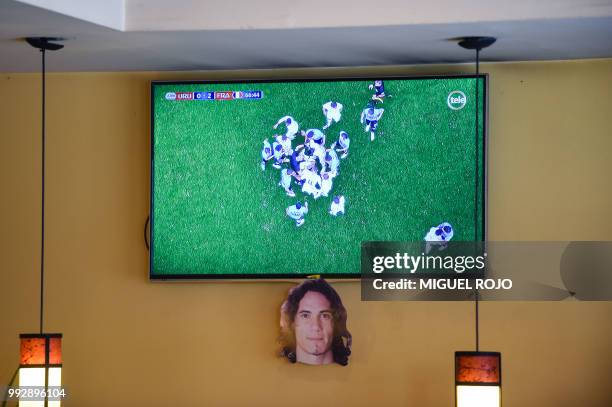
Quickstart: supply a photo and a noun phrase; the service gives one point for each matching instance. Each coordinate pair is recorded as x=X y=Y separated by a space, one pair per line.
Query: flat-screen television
x=286 y=179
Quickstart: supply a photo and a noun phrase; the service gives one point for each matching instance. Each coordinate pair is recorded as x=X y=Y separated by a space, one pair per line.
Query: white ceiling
x=115 y=35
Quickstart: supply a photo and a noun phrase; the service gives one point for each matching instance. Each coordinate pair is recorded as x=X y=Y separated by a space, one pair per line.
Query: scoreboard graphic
x=226 y=95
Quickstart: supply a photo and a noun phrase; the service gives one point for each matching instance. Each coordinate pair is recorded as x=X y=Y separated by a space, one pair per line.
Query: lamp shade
x=40 y=367
x=477 y=379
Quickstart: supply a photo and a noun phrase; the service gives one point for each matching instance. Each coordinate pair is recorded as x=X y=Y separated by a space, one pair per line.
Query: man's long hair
x=341 y=343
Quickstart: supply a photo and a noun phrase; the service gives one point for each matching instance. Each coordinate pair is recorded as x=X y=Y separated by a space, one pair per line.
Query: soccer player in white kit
x=277 y=150
x=370 y=117
x=314 y=134
x=307 y=164
x=266 y=154
x=438 y=236
x=318 y=151
x=285 y=142
x=332 y=112
x=292 y=126
x=337 y=206
x=326 y=183
x=285 y=181
x=312 y=183
x=331 y=159
x=297 y=213
x=343 y=142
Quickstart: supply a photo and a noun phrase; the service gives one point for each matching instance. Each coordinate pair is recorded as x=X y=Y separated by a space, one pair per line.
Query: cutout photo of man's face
x=313 y=325
x=314 y=330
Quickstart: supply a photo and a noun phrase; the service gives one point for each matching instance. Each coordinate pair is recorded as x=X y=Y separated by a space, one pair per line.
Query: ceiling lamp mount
x=41 y=353
x=45 y=43
x=477 y=43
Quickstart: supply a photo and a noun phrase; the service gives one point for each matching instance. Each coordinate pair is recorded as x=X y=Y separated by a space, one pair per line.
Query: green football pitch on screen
x=218 y=209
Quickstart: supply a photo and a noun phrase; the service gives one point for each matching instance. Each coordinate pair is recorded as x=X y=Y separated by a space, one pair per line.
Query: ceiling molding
x=96 y=47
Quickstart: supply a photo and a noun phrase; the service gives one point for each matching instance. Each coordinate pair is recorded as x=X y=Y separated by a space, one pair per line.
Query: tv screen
x=276 y=179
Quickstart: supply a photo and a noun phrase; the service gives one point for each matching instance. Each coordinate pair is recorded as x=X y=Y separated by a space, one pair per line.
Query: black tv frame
x=293 y=276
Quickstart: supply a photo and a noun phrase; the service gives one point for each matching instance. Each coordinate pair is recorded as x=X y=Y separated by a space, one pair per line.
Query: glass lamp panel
x=31 y=404
x=32 y=376
x=55 y=376
x=478 y=396
x=55 y=351
x=32 y=351
x=478 y=368
x=55 y=379
x=35 y=376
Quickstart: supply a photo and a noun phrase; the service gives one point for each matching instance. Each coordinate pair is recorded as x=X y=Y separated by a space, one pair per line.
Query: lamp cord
x=477 y=332
x=5 y=398
x=42 y=237
x=476 y=191
x=476 y=149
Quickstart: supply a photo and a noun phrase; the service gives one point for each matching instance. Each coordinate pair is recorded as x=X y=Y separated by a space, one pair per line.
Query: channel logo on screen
x=225 y=95
x=456 y=100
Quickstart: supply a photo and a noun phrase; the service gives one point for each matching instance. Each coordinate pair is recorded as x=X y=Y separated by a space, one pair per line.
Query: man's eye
x=304 y=316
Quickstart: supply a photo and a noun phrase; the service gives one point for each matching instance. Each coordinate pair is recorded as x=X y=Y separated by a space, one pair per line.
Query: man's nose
x=315 y=323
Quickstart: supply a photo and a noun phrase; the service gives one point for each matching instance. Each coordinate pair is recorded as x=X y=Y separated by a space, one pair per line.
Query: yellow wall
x=130 y=342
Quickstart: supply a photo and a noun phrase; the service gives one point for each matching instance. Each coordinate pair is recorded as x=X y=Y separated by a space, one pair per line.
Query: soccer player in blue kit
x=344 y=142
x=379 y=87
